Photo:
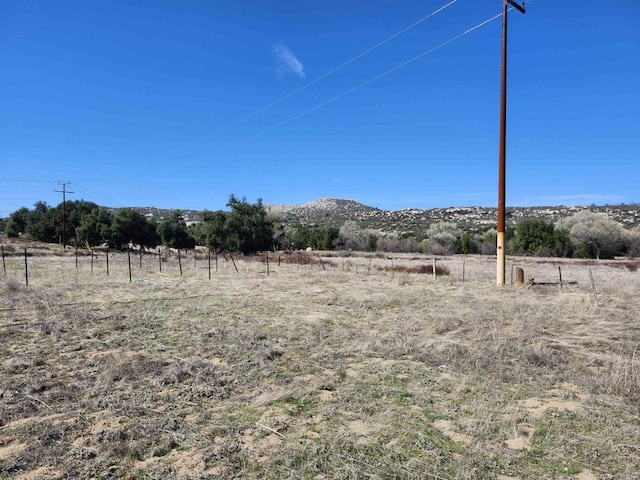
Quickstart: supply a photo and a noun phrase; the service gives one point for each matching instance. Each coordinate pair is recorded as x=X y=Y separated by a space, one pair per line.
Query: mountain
x=412 y=221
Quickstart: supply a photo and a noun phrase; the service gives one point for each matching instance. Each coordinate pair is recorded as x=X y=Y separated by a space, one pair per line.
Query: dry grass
x=333 y=369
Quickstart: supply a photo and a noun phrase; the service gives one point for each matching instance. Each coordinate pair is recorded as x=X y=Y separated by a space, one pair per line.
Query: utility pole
x=500 y=250
x=64 y=213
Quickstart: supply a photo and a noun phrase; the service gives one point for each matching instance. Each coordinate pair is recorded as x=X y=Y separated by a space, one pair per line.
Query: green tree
x=212 y=232
x=95 y=227
x=248 y=228
x=535 y=236
x=17 y=222
x=41 y=223
x=174 y=233
x=129 y=226
x=72 y=216
x=372 y=242
x=318 y=238
x=469 y=243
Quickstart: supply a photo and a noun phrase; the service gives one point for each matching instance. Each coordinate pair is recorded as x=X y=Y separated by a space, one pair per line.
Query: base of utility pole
x=500 y=251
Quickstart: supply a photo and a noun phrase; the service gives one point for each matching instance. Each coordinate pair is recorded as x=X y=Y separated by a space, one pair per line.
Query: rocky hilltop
x=412 y=221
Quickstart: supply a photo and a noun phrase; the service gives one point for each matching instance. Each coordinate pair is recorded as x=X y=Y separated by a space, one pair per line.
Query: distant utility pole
x=503 y=143
x=64 y=213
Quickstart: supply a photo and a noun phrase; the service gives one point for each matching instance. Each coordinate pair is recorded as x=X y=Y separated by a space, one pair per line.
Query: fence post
x=26 y=268
x=92 y=260
x=140 y=255
x=179 y=262
x=194 y=258
x=234 y=262
x=560 y=274
x=209 y=260
x=159 y=261
x=4 y=265
x=463 y=261
x=76 y=256
x=593 y=284
x=435 y=273
x=107 y=261
x=519 y=276
x=267 y=262
x=129 y=260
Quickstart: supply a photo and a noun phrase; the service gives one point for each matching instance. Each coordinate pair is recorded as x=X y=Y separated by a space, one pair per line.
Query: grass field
x=340 y=368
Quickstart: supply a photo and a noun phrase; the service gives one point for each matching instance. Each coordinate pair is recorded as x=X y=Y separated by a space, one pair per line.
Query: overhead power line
x=321 y=77
x=88 y=193
x=351 y=90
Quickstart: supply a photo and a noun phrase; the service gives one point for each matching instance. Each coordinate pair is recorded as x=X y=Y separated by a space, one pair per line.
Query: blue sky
x=177 y=104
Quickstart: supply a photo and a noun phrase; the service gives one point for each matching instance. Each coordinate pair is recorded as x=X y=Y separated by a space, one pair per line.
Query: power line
x=88 y=193
x=321 y=77
x=357 y=87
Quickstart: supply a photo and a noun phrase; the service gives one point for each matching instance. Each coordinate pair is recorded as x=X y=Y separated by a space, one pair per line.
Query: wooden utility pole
x=500 y=247
x=64 y=213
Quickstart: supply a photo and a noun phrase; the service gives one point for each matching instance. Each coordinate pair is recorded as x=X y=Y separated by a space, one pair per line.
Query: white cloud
x=286 y=61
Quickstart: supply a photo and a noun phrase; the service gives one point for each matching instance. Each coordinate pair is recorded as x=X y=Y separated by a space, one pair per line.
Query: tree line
x=247 y=228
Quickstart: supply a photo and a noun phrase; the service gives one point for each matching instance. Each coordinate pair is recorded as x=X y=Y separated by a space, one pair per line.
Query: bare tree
x=442 y=238
x=597 y=231
x=633 y=241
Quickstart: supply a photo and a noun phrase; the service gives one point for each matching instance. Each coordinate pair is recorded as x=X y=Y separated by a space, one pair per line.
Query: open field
x=342 y=369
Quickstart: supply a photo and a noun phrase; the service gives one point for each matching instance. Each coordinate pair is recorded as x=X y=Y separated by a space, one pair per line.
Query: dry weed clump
x=620 y=374
x=301 y=258
x=418 y=269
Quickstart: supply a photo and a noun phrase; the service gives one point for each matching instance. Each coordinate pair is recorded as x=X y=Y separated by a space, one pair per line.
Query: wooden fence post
x=234 y=262
x=560 y=274
x=159 y=261
x=26 y=268
x=435 y=272
x=92 y=260
x=107 y=261
x=463 y=262
x=4 y=265
x=519 y=276
x=593 y=284
x=267 y=253
x=179 y=262
x=129 y=260
x=76 y=256
x=209 y=260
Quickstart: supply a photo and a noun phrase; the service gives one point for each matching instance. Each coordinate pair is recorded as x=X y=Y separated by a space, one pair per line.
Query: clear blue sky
x=138 y=103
